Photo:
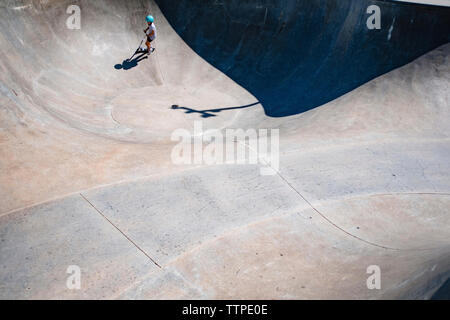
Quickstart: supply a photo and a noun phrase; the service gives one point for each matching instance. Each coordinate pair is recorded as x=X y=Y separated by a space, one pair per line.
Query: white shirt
x=149 y=31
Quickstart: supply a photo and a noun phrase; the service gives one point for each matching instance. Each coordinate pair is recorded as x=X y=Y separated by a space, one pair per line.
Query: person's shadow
x=130 y=64
x=209 y=113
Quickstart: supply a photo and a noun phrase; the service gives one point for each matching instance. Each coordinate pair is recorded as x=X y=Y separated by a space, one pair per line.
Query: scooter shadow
x=130 y=64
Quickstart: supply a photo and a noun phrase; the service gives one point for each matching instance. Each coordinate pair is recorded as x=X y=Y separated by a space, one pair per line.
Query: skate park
x=87 y=177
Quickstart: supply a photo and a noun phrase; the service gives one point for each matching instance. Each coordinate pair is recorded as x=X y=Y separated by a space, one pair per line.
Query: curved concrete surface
x=87 y=179
x=289 y=54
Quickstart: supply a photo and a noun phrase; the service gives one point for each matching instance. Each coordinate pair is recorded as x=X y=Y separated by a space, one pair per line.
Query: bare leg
x=149 y=47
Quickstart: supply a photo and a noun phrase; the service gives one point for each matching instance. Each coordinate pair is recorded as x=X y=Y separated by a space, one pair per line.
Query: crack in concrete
x=315 y=209
x=123 y=233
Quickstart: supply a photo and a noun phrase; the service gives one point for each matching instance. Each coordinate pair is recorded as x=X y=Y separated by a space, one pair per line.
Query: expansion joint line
x=117 y=228
x=328 y=220
x=315 y=209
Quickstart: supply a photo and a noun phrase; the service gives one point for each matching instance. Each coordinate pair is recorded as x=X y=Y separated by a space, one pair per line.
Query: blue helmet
x=150 y=19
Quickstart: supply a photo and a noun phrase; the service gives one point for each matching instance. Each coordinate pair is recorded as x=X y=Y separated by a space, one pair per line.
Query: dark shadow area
x=130 y=64
x=443 y=293
x=208 y=113
x=295 y=55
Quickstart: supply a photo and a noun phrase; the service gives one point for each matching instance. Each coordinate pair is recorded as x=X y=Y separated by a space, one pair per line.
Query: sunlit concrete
x=86 y=176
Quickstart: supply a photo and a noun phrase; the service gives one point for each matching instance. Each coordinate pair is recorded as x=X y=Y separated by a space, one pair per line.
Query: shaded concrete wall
x=294 y=55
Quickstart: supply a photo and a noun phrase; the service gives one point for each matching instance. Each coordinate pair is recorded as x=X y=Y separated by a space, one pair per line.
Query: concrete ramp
x=295 y=55
x=87 y=178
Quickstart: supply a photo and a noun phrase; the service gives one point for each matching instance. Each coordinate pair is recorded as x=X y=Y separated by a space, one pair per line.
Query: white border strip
x=444 y=3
